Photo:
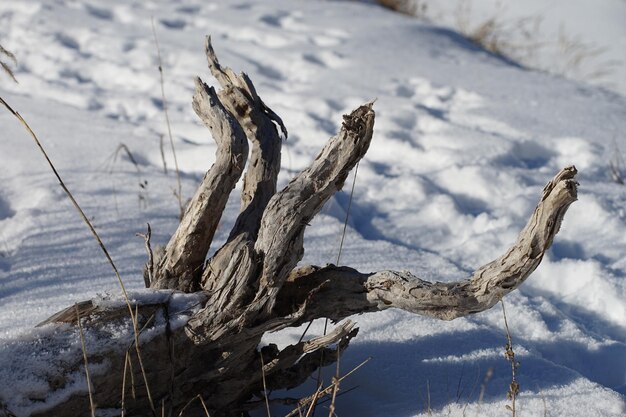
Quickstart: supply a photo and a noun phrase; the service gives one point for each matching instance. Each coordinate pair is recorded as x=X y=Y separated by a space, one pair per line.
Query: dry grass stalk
x=199 y=398
x=143 y=184
x=483 y=386
x=5 y=67
x=343 y=236
x=82 y=214
x=82 y=343
x=177 y=193
x=122 y=147
x=509 y=354
x=267 y=403
x=520 y=39
x=311 y=410
x=335 y=384
x=139 y=358
x=126 y=359
x=471 y=394
x=319 y=393
x=162 y=150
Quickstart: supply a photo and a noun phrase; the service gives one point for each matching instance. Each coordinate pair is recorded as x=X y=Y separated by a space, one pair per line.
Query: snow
x=580 y=39
x=464 y=142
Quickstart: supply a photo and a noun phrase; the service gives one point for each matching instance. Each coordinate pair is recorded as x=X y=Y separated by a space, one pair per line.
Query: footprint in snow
x=67 y=41
x=99 y=12
x=173 y=24
x=6 y=211
x=326 y=59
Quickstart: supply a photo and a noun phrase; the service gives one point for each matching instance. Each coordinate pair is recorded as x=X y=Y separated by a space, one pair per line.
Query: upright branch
x=260 y=124
x=181 y=265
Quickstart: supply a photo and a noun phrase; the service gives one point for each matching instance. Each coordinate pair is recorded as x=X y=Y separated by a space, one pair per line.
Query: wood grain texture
x=181 y=266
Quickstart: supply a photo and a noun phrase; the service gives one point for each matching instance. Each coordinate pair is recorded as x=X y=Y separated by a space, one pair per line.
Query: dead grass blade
x=267 y=403
x=82 y=343
x=126 y=359
x=199 y=398
x=178 y=193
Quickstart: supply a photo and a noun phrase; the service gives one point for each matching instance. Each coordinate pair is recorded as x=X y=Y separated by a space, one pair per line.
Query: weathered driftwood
x=251 y=287
x=182 y=263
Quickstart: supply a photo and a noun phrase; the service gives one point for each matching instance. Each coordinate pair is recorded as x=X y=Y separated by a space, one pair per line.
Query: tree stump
x=199 y=330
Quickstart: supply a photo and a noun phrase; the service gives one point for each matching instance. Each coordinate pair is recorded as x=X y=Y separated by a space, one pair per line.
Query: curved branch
x=181 y=265
x=259 y=123
x=344 y=291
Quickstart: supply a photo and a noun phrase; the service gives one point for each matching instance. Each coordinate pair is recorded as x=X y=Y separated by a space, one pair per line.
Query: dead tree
x=200 y=333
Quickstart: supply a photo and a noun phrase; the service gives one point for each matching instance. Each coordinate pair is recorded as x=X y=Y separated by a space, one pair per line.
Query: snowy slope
x=464 y=141
x=581 y=39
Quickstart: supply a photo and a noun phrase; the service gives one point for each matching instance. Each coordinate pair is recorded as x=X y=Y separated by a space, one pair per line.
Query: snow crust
x=464 y=141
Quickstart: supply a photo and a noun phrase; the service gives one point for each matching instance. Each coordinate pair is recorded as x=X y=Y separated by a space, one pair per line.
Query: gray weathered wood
x=343 y=291
x=250 y=286
x=182 y=263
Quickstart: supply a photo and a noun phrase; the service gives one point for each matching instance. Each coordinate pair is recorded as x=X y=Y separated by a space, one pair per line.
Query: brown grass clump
x=411 y=7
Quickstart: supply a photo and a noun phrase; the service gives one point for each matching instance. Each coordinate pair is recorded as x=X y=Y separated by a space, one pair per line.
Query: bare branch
x=344 y=291
x=259 y=123
x=181 y=266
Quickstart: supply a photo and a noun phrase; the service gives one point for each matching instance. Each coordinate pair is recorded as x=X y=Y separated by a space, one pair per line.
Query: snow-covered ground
x=464 y=141
x=580 y=39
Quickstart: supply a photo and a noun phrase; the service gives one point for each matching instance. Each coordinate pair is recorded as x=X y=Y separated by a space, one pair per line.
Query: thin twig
x=82 y=343
x=178 y=193
x=345 y=223
x=305 y=331
x=343 y=235
x=96 y=236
